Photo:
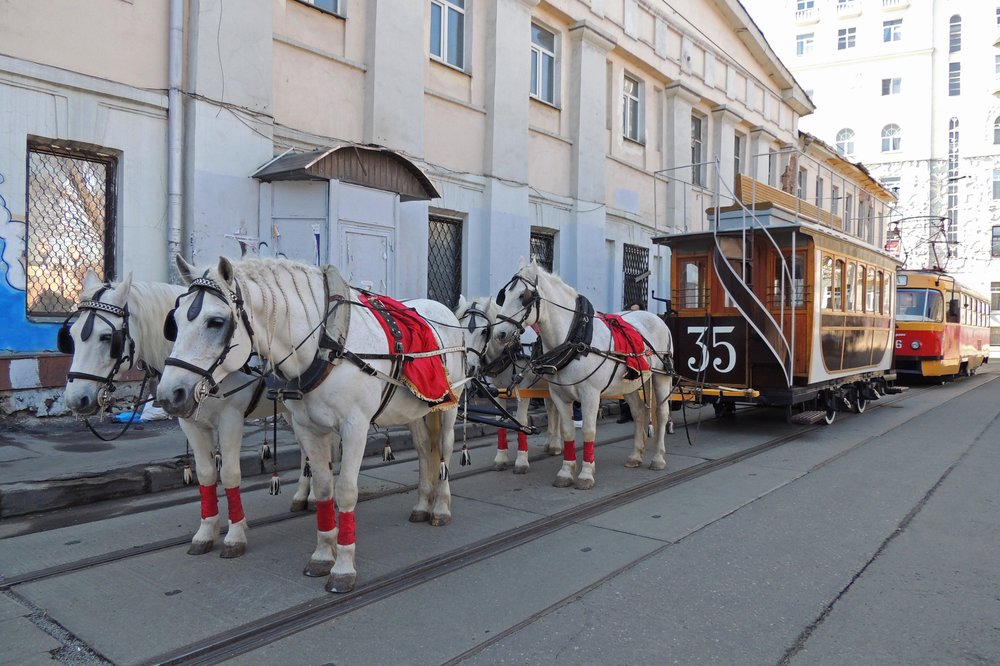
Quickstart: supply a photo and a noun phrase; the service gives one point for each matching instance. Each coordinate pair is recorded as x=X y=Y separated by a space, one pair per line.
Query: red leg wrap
x=325 y=519
x=588 y=452
x=522 y=442
x=569 y=450
x=502 y=439
x=345 y=537
x=209 y=501
x=235 y=504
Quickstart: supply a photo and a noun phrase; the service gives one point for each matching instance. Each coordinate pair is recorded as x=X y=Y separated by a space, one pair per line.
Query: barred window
x=635 y=264
x=70 y=216
x=543 y=249
x=444 y=260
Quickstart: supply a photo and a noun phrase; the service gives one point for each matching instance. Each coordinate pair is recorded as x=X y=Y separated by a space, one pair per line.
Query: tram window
x=849 y=304
x=692 y=287
x=827 y=277
x=880 y=296
x=919 y=305
x=859 y=289
x=838 y=285
x=870 y=302
x=795 y=291
x=887 y=283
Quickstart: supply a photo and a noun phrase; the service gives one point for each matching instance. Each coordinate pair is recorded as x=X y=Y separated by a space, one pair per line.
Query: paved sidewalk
x=56 y=462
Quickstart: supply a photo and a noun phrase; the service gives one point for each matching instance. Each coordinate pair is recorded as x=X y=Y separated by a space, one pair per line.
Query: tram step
x=890 y=390
x=808 y=418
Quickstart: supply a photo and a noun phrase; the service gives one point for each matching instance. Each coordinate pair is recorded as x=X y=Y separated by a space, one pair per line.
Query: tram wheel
x=830 y=415
x=860 y=404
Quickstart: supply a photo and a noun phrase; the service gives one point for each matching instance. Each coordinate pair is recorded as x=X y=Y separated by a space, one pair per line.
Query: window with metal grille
x=954 y=79
x=543 y=249
x=635 y=266
x=70 y=220
x=444 y=260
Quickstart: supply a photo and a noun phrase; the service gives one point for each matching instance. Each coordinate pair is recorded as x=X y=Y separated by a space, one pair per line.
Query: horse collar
x=577 y=342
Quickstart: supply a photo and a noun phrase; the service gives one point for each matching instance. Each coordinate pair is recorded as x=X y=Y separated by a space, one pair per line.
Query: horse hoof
x=440 y=519
x=658 y=465
x=521 y=470
x=499 y=467
x=318 y=568
x=200 y=547
x=633 y=463
x=584 y=484
x=230 y=551
x=299 y=505
x=553 y=452
x=563 y=482
x=340 y=583
x=419 y=516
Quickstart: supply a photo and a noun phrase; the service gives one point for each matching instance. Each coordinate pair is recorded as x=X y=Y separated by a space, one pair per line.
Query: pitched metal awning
x=368 y=166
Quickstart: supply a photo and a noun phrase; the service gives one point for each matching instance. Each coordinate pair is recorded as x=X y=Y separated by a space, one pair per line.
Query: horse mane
x=537 y=274
x=148 y=305
x=281 y=291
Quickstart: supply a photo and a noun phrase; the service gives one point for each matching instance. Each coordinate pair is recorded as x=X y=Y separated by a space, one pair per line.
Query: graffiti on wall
x=18 y=334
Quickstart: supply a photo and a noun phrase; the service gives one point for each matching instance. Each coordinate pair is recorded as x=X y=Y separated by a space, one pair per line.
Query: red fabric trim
x=522 y=442
x=588 y=452
x=569 y=450
x=425 y=376
x=235 y=503
x=502 y=439
x=325 y=518
x=345 y=537
x=626 y=341
x=209 y=501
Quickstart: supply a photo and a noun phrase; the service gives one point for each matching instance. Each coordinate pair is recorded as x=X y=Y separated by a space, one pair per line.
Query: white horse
x=283 y=309
x=582 y=364
x=121 y=325
x=511 y=371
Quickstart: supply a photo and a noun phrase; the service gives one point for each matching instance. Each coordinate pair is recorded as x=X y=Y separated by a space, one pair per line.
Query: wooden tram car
x=796 y=313
x=942 y=326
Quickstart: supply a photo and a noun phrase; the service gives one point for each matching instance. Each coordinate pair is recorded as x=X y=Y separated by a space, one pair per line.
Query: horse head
x=211 y=333
x=99 y=341
x=476 y=318
x=518 y=304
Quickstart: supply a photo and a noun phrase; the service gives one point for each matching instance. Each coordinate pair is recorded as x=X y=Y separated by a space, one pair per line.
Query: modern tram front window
x=919 y=305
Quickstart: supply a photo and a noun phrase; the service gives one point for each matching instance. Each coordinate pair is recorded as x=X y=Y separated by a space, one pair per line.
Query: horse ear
x=124 y=287
x=520 y=263
x=185 y=269
x=91 y=282
x=461 y=303
x=226 y=270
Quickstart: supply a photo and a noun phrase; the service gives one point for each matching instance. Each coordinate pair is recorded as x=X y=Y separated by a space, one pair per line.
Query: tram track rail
x=300 y=617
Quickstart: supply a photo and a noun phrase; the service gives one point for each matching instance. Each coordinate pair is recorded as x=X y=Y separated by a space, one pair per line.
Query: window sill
x=445 y=63
x=638 y=142
x=543 y=102
x=340 y=15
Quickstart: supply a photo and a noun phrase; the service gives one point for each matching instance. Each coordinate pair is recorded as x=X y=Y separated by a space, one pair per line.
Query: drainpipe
x=175 y=137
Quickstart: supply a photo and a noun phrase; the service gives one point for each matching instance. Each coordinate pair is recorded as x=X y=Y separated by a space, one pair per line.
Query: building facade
x=420 y=146
x=909 y=87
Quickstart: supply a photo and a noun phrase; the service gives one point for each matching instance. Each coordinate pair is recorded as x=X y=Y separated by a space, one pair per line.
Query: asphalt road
x=871 y=541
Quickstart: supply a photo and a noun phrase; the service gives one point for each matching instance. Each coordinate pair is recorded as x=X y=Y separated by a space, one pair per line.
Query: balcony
x=848 y=8
x=892 y=5
x=806 y=16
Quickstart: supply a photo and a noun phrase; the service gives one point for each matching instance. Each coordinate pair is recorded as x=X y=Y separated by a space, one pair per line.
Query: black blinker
x=501 y=296
x=88 y=327
x=64 y=340
x=195 y=308
x=117 y=344
x=170 y=326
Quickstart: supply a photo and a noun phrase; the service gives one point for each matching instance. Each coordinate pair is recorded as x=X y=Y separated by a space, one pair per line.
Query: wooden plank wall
x=751 y=192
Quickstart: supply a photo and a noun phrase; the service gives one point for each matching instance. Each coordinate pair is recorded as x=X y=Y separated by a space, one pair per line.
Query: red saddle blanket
x=426 y=377
x=627 y=341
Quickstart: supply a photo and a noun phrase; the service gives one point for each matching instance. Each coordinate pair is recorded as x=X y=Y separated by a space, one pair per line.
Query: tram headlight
x=915 y=344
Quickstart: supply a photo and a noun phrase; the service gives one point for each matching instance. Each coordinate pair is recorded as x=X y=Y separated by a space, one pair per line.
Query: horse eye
x=105 y=337
x=216 y=322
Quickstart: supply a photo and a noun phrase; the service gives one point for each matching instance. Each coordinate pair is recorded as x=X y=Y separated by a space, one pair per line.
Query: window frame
x=892 y=31
x=444 y=56
x=338 y=4
x=630 y=114
x=697 y=149
x=538 y=54
x=996 y=184
x=846 y=38
x=804 y=43
x=739 y=145
x=955 y=34
x=892 y=138
x=954 y=79
x=844 y=142
x=892 y=85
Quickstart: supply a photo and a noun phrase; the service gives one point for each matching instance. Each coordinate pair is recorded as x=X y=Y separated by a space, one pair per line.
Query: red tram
x=794 y=309
x=942 y=326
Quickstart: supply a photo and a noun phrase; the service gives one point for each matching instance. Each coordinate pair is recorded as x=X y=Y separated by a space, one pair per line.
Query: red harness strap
x=235 y=504
x=627 y=340
x=209 y=501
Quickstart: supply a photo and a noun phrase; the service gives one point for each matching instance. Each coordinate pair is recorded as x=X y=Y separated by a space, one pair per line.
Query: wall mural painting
x=19 y=335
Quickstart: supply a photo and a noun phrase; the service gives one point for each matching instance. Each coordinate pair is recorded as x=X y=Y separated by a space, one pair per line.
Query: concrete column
x=507 y=227
x=582 y=245
x=761 y=142
x=394 y=81
x=723 y=134
x=679 y=101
